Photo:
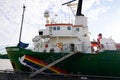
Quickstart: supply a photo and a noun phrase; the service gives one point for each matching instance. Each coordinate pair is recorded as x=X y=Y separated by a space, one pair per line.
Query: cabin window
x=54 y=28
x=68 y=28
x=40 y=32
x=50 y=28
x=58 y=28
x=77 y=29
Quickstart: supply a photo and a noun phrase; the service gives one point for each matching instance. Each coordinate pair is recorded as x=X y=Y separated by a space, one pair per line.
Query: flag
x=23 y=45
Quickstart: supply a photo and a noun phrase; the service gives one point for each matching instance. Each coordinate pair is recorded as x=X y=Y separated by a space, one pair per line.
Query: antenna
x=68 y=2
x=79 y=7
x=70 y=5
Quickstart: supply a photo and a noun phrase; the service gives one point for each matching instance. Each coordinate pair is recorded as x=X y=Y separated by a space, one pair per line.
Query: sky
x=103 y=17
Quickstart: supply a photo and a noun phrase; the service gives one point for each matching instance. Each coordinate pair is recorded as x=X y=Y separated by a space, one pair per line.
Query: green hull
x=106 y=63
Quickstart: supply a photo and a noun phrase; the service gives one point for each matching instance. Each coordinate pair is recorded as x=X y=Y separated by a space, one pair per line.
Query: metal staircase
x=53 y=63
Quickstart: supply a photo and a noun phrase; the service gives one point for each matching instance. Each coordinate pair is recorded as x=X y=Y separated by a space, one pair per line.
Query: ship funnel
x=79 y=8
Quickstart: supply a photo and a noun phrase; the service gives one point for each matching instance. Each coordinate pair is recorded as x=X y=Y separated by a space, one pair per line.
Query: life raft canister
x=60 y=45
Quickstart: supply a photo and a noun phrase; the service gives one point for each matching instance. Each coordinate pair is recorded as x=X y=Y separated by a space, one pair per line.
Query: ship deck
x=18 y=75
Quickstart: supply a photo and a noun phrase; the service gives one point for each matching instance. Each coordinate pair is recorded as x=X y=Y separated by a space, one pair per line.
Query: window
x=68 y=28
x=58 y=28
x=50 y=28
x=40 y=32
x=77 y=29
x=54 y=28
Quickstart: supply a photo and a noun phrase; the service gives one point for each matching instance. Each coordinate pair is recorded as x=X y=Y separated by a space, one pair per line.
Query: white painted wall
x=5 y=64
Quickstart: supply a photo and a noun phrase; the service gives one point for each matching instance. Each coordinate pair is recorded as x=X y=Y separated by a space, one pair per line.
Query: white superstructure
x=64 y=37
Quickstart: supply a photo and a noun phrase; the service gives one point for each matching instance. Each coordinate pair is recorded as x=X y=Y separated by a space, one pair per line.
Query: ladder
x=53 y=63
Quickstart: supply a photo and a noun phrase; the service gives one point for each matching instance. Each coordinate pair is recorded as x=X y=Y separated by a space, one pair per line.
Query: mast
x=22 y=23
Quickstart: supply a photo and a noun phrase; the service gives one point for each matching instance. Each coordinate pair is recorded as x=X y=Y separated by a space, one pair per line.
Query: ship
x=65 y=48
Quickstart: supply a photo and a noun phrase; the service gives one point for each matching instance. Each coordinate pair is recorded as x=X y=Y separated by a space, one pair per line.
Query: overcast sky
x=103 y=17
